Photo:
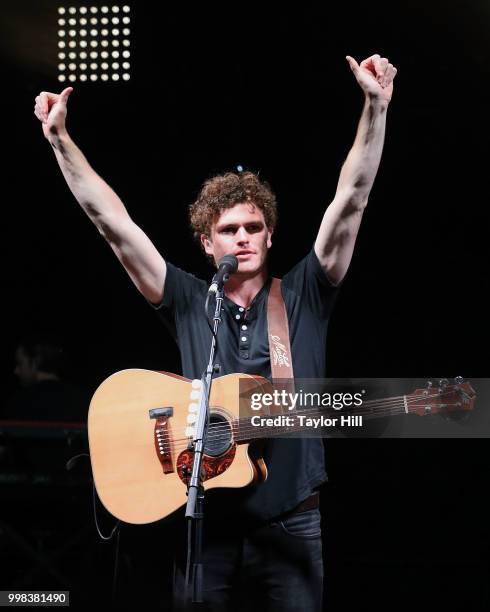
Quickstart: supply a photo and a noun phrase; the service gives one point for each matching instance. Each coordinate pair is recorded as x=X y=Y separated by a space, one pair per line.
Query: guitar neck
x=286 y=422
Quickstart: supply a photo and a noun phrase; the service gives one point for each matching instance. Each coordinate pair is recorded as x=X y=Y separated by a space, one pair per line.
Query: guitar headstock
x=442 y=398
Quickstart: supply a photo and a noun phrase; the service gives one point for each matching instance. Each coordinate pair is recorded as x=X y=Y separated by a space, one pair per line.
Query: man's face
x=240 y=231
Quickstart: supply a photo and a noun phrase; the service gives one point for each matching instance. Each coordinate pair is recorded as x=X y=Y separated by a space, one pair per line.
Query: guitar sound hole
x=219 y=436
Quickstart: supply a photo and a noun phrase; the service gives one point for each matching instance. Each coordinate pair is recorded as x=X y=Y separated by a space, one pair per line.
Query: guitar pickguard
x=210 y=466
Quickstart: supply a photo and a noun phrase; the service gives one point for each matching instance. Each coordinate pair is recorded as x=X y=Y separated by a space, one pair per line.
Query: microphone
x=227 y=265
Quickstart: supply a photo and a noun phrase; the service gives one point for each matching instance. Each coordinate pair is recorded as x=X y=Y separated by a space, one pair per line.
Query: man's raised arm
x=338 y=231
x=134 y=249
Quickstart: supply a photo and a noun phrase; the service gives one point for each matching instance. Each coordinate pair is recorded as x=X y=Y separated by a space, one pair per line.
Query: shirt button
x=244 y=354
x=244 y=327
x=244 y=338
x=241 y=309
x=238 y=317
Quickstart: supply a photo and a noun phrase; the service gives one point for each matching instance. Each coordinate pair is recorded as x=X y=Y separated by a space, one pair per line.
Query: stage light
x=61 y=78
x=78 y=37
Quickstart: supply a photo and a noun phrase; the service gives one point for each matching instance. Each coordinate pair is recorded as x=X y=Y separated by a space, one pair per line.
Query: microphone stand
x=195 y=491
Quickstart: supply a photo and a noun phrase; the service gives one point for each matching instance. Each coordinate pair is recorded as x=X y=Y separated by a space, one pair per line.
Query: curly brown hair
x=225 y=191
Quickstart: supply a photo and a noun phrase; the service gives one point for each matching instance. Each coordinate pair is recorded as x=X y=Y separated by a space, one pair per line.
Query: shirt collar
x=249 y=313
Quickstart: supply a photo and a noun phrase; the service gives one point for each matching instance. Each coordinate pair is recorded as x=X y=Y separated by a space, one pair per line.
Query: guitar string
x=218 y=431
x=388 y=407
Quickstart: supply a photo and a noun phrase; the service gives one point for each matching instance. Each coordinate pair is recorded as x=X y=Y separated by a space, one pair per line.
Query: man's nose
x=242 y=235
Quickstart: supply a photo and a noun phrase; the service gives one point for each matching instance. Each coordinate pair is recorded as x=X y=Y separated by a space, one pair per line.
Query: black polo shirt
x=295 y=466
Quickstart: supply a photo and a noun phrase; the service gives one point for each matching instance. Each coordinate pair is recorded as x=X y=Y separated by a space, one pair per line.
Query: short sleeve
x=179 y=289
x=309 y=282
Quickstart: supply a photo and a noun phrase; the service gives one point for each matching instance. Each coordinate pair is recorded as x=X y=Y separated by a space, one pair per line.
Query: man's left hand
x=375 y=75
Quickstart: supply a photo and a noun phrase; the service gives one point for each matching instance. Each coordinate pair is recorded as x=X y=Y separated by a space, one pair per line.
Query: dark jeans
x=275 y=567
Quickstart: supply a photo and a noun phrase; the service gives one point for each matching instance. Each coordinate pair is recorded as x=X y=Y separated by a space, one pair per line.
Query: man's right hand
x=50 y=109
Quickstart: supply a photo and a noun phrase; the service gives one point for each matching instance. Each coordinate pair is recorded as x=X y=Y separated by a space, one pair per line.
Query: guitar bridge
x=162 y=436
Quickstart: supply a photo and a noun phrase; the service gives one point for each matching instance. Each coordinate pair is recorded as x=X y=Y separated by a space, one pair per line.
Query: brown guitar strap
x=278 y=333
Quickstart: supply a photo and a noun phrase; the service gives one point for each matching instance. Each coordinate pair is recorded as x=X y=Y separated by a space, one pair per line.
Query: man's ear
x=207 y=245
x=269 y=238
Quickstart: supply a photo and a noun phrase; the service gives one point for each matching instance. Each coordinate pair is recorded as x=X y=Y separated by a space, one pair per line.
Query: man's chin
x=248 y=268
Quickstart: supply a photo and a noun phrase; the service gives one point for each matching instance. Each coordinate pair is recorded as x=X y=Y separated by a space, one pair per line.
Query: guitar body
x=141 y=464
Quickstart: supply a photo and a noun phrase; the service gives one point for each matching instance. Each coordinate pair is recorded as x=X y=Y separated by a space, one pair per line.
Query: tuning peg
x=429 y=387
x=459 y=380
x=443 y=383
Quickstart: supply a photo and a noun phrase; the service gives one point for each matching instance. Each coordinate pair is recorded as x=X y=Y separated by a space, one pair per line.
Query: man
x=271 y=534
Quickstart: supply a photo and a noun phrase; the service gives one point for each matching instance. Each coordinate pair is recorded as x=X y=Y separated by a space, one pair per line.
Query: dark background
x=406 y=520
